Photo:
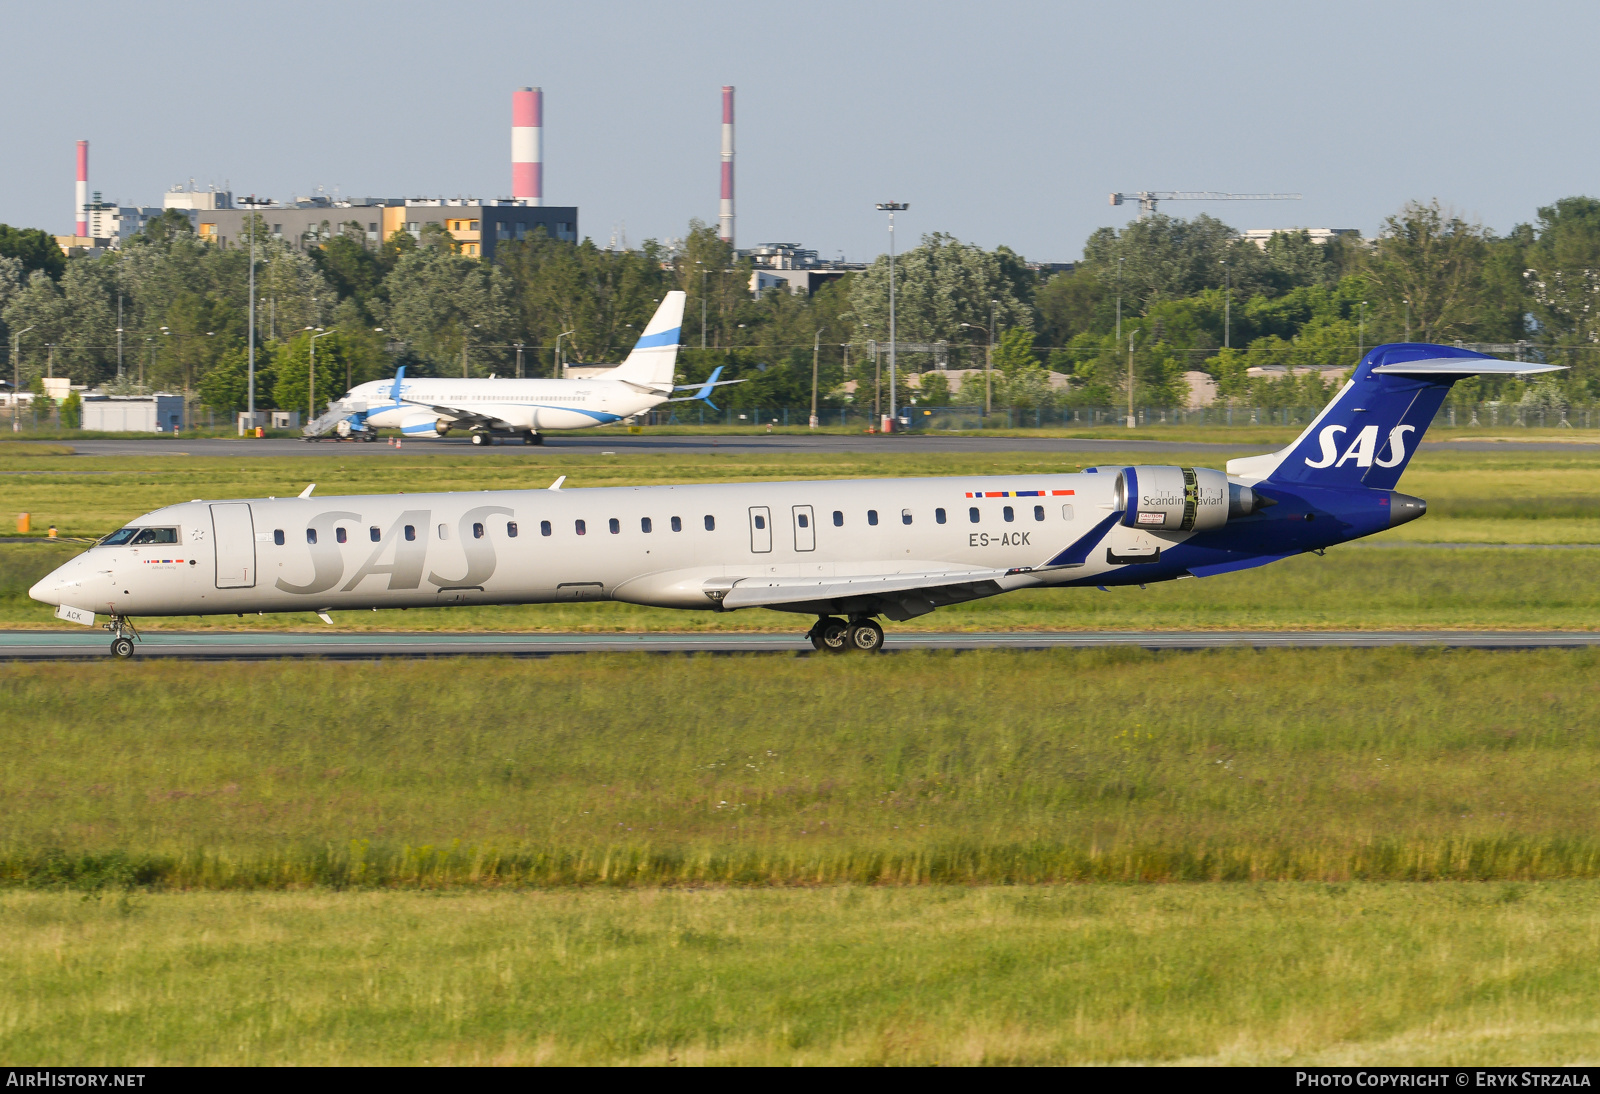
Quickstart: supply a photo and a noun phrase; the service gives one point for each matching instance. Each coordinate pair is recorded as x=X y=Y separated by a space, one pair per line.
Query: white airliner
x=529 y=408
x=845 y=551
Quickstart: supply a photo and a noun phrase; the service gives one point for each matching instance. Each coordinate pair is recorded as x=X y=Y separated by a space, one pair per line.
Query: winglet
x=306 y=493
x=400 y=375
x=557 y=484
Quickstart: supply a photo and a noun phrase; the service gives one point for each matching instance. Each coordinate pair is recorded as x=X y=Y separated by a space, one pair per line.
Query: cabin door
x=760 y=530
x=234 y=539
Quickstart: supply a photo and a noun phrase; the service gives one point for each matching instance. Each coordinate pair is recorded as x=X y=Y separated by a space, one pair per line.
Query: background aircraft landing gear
x=530 y=437
x=123 y=636
x=483 y=438
x=830 y=635
x=866 y=636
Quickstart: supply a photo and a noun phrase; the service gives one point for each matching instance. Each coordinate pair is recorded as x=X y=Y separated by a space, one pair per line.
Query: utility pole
x=816 y=347
x=892 y=207
x=311 y=373
x=1132 y=336
x=16 y=379
x=703 y=271
x=119 y=340
x=251 y=408
x=559 y=337
x=1227 y=301
x=519 y=360
x=1361 y=334
x=988 y=365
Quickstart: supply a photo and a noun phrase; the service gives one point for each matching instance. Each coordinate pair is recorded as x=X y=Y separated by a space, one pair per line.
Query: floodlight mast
x=892 y=207
x=1147 y=198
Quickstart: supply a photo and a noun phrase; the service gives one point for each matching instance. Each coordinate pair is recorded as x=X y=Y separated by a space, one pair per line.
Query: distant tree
x=349 y=267
x=1428 y=265
x=935 y=390
x=1070 y=304
x=72 y=410
x=34 y=248
x=441 y=303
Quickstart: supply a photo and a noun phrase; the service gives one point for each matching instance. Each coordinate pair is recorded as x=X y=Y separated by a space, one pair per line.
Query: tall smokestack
x=527 y=145
x=725 y=215
x=82 y=216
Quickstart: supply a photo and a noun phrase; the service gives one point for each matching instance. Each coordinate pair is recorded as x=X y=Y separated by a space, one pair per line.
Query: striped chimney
x=527 y=145
x=82 y=195
x=725 y=214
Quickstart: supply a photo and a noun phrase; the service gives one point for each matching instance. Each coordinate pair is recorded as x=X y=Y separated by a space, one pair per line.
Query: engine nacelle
x=1180 y=499
x=422 y=423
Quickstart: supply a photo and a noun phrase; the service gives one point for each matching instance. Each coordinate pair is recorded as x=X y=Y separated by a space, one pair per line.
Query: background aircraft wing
x=898 y=596
x=470 y=417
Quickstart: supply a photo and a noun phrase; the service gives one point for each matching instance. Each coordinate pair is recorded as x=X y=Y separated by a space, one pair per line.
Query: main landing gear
x=483 y=438
x=123 y=636
x=530 y=437
x=832 y=635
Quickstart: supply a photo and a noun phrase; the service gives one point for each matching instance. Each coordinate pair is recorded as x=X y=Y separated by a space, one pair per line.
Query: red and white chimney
x=82 y=215
x=527 y=145
x=725 y=214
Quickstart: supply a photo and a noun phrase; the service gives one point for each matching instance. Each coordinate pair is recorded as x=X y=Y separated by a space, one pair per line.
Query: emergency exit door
x=760 y=530
x=805 y=529
x=234 y=538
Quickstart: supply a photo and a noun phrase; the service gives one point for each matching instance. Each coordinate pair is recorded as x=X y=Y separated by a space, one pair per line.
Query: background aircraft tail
x=655 y=355
x=1367 y=434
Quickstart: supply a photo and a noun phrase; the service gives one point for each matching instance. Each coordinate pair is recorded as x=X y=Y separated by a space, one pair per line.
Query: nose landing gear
x=832 y=635
x=123 y=636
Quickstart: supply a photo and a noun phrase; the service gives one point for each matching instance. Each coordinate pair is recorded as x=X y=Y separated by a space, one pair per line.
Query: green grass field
x=977 y=768
x=1235 y=857
x=1447 y=975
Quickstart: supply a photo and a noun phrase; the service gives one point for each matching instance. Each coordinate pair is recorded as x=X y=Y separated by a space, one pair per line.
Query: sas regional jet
x=846 y=552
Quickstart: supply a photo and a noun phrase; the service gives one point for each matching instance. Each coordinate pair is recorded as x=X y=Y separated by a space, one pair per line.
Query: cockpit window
x=157 y=535
x=119 y=537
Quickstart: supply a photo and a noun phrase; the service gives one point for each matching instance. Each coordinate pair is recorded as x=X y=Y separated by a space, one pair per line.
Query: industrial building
x=476 y=224
x=792 y=267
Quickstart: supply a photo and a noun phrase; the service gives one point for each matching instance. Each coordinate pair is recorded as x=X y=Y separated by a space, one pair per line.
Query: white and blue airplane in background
x=487 y=409
x=846 y=551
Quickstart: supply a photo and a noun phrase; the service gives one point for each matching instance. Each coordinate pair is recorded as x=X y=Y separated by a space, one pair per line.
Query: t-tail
x=1368 y=433
x=655 y=355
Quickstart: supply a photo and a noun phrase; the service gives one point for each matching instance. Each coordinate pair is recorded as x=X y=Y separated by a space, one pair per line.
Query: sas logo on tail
x=1363 y=449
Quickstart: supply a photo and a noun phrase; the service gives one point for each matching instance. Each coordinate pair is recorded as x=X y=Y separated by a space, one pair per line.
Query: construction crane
x=1147 y=198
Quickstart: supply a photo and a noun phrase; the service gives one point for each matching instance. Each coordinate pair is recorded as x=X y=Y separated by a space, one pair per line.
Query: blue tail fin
x=1367 y=434
x=399 y=377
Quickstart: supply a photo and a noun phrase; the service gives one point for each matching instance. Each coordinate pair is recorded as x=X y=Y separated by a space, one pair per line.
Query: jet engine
x=1181 y=499
x=423 y=423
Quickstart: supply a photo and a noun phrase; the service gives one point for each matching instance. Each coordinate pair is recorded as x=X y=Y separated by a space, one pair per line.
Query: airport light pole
x=816 y=348
x=892 y=207
x=311 y=374
x=559 y=337
x=1361 y=333
x=16 y=378
x=1132 y=337
x=988 y=362
x=250 y=407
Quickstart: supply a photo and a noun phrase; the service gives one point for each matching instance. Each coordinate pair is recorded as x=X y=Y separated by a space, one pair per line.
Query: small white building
x=159 y=413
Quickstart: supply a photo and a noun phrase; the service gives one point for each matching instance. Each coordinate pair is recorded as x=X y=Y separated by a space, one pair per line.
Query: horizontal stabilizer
x=1457 y=366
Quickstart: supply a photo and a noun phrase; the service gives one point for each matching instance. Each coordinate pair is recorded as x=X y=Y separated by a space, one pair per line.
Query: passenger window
x=338 y=534
x=803 y=520
x=544 y=528
x=905 y=516
x=477 y=531
x=616 y=526
x=311 y=535
x=1038 y=512
x=374 y=534
x=761 y=521
x=444 y=532
x=1066 y=512
x=411 y=532
x=972 y=514
x=938 y=516
x=711 y=523
x=1009 y=514
x=583 y=529
x=838 y=519
x=511 y=529
x=677 y=524
x=872 y=517
x=277 y=536
x=644 y=525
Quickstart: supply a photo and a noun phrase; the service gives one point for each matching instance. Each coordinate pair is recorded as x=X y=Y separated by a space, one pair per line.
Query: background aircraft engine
x=423 y=423
x=1180 y=499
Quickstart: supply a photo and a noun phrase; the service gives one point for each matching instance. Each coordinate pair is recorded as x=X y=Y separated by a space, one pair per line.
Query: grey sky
x=1001 y=122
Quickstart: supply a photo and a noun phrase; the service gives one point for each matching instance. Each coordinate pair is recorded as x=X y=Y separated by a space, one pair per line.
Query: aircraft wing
x=899 y=596
x=470 y=417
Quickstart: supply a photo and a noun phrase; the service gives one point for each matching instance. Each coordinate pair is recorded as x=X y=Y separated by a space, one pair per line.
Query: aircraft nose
x=51 y=588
